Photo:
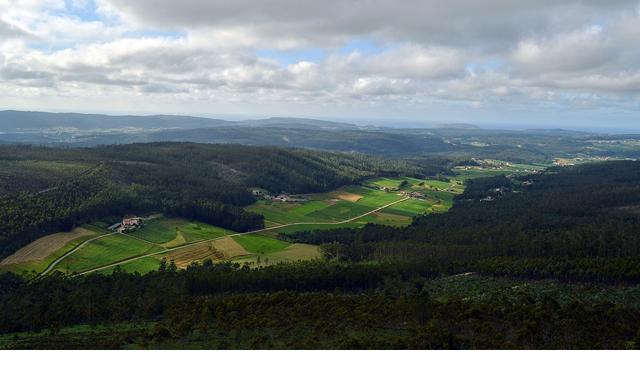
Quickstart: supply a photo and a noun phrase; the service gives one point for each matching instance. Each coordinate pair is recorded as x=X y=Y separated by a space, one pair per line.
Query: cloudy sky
x=544 y=62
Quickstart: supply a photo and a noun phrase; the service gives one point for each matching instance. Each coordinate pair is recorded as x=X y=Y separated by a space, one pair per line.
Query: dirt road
x=213 y=239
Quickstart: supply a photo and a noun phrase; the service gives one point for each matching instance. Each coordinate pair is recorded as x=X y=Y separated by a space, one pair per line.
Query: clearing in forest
x=44 y=247
x=427 y=196
x=171 y=232
x=106 y=250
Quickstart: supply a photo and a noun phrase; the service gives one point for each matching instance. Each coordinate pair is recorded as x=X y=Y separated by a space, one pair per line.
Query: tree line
x=210 y=183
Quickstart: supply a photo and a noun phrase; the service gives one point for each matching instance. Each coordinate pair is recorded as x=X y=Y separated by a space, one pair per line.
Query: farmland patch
x=44 y=247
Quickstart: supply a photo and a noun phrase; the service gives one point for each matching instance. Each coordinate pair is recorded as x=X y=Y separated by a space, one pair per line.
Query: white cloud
x=482 y=54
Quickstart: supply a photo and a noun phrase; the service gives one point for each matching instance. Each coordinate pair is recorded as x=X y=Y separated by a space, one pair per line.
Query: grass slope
x=355 y=200
x=260 y=244
x=164 y=230
x=106 y=250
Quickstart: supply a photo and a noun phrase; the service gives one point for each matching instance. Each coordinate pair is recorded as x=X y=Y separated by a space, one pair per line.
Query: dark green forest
x=208 y=182
x=551 y=261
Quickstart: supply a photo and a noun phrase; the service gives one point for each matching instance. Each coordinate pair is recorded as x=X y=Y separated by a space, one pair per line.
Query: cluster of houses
x=283 y=197
x=128 y=224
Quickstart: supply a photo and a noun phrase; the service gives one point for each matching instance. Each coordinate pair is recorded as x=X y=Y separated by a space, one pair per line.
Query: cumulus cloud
x=418 y=54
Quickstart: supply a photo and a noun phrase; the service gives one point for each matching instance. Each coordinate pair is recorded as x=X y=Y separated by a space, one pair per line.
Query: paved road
x=219 y=238
x=55 y=263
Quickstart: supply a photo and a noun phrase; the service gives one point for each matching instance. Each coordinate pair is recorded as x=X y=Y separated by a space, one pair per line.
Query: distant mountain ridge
x=30 y=121
x=12 y=121
x=454 y=139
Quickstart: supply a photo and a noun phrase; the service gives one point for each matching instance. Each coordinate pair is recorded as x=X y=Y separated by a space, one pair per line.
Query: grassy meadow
x=320 y=211
x=173 y=232
x=355 y=200
x=104 y=251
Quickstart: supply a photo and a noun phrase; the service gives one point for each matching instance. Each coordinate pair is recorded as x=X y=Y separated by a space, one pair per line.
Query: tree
x=163 y=265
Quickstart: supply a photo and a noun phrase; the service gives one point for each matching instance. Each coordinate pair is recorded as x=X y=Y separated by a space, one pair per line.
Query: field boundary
x=55 y=263
x=131 y=259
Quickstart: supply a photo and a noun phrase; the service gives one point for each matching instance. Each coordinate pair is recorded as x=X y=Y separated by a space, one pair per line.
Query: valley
x=164 y=225
x=388 y=201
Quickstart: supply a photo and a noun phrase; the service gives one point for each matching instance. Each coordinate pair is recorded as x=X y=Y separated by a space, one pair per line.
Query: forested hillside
x=546 y=260
x=576 y=223
x=210 y=182
x=454 y=140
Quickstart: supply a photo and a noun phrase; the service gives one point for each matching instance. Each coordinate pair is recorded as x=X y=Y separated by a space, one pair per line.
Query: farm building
x=131 y=223
x=416 y=195
x=115 y=226
x=287 y=198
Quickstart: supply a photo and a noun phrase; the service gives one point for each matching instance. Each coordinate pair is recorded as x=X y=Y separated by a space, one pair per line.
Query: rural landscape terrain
x=328 y=190
x=445 y=237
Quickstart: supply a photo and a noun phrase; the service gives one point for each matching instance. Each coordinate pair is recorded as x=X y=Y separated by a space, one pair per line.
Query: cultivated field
x=42 y=248
x=39 y=254
x=260 y=244
x=495 y=168
x=352 y=201
x=197 y=253
x=293 y=253
x=322 y=211
x=106 y=250
x=172 y=232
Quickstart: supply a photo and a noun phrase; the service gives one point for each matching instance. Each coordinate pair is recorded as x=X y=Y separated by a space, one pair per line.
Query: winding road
x=53 y=264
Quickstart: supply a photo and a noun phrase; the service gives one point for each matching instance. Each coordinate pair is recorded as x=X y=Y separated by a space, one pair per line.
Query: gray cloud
x=490 y=24
x=486 y=54
x=10 y=31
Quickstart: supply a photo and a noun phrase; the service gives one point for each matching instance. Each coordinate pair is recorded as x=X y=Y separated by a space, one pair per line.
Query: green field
x=104 y=251
x=283 y=213
x=384 y=218
x=340 y=211
x=156 y=235
x=141 y=265
x=372 y=198
x=305 y=227
x=410 y=208
x=36 y=267
x=163 y=230
x=262 y=250
x=260 y=244
x=321 y=211
x=293 y=253
x=324 y=207
x=355 y=200
x=450 y=185
x=496 y=168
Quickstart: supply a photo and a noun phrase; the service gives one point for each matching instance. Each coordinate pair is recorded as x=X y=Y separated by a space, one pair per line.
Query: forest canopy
x=207 y=182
